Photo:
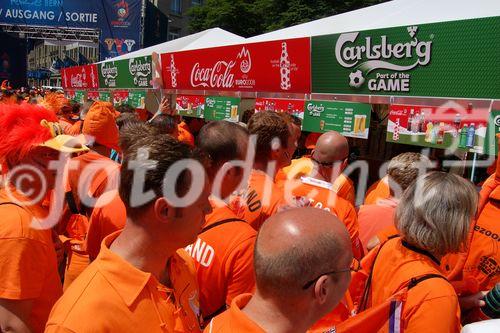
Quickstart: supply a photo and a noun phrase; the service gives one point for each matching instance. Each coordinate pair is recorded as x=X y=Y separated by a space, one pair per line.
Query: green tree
x=253 y=17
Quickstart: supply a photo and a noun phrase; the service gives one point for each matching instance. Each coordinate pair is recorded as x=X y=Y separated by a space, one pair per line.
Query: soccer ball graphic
x=356 y=79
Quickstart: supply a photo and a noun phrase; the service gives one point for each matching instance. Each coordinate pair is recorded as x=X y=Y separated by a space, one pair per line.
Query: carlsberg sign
x=368 y=55
x=446 y=59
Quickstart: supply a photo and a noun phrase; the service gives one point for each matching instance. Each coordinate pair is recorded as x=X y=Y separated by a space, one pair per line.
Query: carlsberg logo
x=138 y=68
x=348 y=55
x=109 y=72
x=379 y=55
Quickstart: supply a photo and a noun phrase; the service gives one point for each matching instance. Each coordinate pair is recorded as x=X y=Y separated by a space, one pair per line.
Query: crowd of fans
x=272 y=242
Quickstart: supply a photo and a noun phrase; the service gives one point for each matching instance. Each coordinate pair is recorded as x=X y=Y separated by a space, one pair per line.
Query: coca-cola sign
x=278 y=66
x=80 y=77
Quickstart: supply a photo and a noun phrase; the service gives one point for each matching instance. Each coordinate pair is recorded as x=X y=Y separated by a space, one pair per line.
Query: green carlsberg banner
x=448 y=59
x=128 y=73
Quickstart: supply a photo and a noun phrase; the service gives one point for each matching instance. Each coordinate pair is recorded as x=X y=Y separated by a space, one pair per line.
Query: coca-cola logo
x=76 y=81
x=218 y=76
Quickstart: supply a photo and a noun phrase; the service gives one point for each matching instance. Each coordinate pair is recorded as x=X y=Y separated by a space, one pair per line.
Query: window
x=175 y=6
x=174 y=33
x=196 y=2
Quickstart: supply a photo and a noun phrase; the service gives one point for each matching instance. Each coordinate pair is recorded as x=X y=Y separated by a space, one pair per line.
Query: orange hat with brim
x=100 y=123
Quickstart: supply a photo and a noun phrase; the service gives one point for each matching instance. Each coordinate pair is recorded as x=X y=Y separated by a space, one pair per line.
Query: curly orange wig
x=21 y=130
x=56 y=102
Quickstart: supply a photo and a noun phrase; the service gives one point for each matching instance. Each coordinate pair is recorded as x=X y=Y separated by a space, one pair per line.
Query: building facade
x=177 y=11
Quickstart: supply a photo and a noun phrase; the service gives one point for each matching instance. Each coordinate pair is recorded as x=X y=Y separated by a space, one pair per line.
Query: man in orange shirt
x=378 y=191
x=301 y=272
x=374 y=218
x=223 y=252
x=29 y=280
x=263 y=197
x=329 y=144
x=120 y=290
x=89 y=176
x=109 y=214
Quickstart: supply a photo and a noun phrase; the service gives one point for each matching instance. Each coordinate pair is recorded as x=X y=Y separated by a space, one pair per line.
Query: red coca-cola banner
x=277 y=66
x=291 y=106
x=80 y=77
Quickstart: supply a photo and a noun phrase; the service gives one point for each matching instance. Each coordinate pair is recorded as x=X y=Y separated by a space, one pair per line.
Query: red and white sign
x=93 y=95
x=185 y=102
x=120 y=97
x=70 y=94
x=277 y=66
x=291 y=106
x=80 y=77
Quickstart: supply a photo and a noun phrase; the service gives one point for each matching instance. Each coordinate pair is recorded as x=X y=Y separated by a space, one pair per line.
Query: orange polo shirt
x=28 y=261
x=111 y=295
x=104 y=220
x=234 y=320
x=261 y=199
x=223 y=257
x=379 y=190
x=320 y=195
x=304 y=166
x=431 y=306
x=483 y=260
x=374 y=218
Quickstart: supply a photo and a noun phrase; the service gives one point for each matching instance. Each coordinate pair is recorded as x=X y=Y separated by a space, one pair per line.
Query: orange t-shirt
x=111 y=295
x=378 y=191
x=304 y=166
x=223 y=257
x=95 y=172
x=483 y=260
x=432 y=305
x=259 y=201
x=28 y=261
x=373 y=218
x=234 y=320
x=104 y=220
x=320 y=195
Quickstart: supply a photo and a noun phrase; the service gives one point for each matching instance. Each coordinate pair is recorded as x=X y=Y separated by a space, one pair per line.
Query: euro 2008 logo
x=496 y=121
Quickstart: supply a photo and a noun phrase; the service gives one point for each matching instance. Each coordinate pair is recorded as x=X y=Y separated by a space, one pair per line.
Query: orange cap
x=498 y=159
x=55 y=102
x=100 y=123
x=311 y=140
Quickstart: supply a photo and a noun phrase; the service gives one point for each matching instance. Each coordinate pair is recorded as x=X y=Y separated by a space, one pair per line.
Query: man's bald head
x=331 y=147
x=296 y=246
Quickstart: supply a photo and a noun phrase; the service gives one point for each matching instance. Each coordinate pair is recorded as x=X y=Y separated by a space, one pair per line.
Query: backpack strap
x=216 y=224
x=366 y=292
x=70 y=199
x=11 y=203
x=415 y=281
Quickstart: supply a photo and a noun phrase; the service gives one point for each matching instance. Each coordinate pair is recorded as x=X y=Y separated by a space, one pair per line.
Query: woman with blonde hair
x=433 y=219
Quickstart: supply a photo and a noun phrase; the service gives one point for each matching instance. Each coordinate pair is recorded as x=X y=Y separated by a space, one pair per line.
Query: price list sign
x=222 y=108
x=349 y=119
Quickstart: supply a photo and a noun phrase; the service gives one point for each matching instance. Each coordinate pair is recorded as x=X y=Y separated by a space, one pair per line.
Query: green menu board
x=105 y=96
x=137 y=98
x=80 y=96
x=491 y=142
x=127 y=73
x=222 y=108
x=350 y=119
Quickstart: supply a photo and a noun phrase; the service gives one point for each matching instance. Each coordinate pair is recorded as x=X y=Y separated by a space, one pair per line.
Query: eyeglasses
x=327 y=164
x=355 y=266
x=310 y=283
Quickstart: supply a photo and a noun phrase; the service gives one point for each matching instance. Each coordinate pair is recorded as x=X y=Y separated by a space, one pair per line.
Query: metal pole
x=474 y=157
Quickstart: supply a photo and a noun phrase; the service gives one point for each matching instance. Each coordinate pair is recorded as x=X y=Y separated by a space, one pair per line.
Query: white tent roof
x=389 y=14
x=207 y=38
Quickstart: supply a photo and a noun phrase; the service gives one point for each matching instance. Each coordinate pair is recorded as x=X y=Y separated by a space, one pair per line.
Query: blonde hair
x=435 y=212
x=405 y=168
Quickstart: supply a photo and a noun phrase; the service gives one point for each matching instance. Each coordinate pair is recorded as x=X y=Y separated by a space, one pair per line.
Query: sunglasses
x=327 y=164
